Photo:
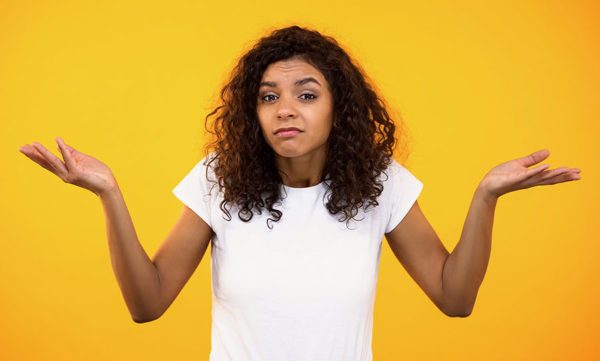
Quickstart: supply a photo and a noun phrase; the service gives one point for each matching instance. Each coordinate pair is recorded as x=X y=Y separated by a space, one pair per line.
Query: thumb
x=534 y=157
x=68 y=147
x=71 y=149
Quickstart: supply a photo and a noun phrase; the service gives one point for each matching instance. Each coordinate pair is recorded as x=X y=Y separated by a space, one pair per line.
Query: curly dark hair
x=360 y=144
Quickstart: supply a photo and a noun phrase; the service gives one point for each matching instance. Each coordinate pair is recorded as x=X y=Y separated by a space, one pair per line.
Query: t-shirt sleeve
x=405 y=191
x=194 y=191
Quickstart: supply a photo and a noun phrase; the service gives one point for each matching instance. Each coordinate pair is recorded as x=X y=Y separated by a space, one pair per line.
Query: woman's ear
x=336 y=122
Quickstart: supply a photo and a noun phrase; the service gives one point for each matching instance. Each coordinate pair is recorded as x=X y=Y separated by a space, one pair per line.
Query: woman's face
x=294 y=94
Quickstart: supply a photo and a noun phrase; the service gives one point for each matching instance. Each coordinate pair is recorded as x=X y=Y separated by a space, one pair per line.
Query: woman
x=297 y=193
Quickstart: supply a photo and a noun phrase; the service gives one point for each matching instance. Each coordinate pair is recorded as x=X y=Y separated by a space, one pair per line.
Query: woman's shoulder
x=203 y=170
x=209 y=159
x=395 y=169
x=398 y=176
x=207 y=163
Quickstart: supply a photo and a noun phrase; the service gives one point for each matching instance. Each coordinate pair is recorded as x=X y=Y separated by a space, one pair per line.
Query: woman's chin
x=288 y=153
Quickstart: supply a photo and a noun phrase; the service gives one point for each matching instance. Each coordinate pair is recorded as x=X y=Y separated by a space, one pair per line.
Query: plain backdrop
x=130 y=83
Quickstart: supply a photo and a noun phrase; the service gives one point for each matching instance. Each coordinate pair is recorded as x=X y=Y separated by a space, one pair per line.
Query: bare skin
x=308 y=107
x=450 y=280
x=80 y=169
x=148 y=286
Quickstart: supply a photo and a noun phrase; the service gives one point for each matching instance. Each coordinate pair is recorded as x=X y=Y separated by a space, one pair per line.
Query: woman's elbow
x=458 y=312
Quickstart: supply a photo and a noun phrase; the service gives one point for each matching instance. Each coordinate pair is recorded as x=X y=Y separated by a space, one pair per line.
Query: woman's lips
x=287 y=133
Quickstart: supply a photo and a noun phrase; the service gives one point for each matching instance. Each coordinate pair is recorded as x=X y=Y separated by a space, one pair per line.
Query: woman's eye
x=267 y=98
x=311 y=95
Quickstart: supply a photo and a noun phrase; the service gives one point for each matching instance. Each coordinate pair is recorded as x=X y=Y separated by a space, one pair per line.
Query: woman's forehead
x=291 y=67
x=291 y=71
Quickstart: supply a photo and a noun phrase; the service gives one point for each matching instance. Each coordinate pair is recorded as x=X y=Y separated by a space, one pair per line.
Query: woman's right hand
x=78 y=168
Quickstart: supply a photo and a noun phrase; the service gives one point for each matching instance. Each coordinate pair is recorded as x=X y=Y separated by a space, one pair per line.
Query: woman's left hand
x=515 y=174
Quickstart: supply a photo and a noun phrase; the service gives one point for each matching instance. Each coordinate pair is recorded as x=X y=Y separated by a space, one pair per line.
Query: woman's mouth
x=287 y=132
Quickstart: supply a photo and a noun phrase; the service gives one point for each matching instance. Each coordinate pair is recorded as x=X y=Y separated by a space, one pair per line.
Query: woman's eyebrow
x=297 y=83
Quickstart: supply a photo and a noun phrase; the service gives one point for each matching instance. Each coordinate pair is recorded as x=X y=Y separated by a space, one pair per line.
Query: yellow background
x=130 y=82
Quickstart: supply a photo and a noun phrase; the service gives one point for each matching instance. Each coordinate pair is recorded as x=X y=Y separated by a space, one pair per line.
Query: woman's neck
x=303 y=171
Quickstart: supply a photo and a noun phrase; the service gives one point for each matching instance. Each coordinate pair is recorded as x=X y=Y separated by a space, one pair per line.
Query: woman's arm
x=465 y=267
x=452 y=280
x=136 y=275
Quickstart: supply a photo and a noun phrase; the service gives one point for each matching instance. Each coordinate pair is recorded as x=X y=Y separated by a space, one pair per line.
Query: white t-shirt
x=304 y=290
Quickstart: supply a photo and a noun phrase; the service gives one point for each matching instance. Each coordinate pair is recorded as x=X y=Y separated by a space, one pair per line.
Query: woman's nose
x=286 y=108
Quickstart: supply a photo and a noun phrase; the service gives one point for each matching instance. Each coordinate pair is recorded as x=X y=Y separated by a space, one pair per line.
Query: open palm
x=78 y=168
x=515 y=174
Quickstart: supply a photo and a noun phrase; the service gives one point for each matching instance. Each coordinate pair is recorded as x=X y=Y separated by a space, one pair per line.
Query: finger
x=33 y=154
x=532 y=172
x=73 y=150
x=554 y=172
x=66 y=153
x=534 y=158
x=560 y=178
x=540 y=178
x=66 y=145
x=554 y=176
x=59 y=167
